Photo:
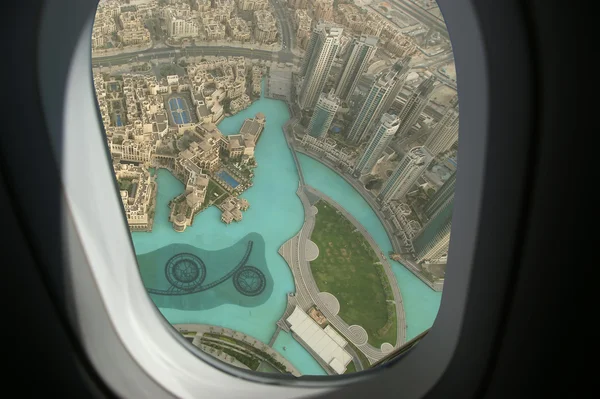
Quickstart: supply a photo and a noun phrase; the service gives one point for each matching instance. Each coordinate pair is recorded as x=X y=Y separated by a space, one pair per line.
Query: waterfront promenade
x=388 y=227
x=307 y=292
x=201 y=329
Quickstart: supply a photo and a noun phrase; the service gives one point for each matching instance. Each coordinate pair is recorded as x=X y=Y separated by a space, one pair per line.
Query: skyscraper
x=357 y=62
x=432 y=242
x=322 y=49
x=441 y=197
x=380 y=139
x=445 y=133
x=379 y=100
x=323 y=114
x=405 y=175
x=415 y=104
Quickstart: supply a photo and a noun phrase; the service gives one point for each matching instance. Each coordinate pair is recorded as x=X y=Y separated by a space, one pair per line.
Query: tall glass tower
x=379 y=100
x=441 y=197
x=405 y=175
x=415 y=104
x=380 y=139
x=445 y=133
x=432 y=242
x=356 y=63
x=323 y=47
x=323 y=114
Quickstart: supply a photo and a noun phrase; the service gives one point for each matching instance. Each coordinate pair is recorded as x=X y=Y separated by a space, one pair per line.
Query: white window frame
x=130 y=344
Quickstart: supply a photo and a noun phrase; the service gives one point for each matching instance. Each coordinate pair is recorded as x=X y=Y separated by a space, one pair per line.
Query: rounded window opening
x=287 y=170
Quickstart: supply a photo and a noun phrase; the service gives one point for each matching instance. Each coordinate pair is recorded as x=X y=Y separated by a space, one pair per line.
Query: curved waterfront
x=421 y=303
x=276 y=215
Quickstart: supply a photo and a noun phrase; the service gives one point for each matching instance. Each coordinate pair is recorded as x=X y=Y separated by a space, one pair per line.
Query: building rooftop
x=320 y=341
x=251 y=127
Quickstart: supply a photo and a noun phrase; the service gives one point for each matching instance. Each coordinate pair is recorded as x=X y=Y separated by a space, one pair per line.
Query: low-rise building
x=323 y=10
x=214 y=30
x=232 y=209
x=303 y=23
x=257 y=74
x=242 y=145
x=138 y=196
x=330 y=149
x=132 y=30
x=181 y=24
x=252 y=5
x=240 y=104
x=401 y=45
x=238 y=29
x=265 y=26
x=298 y=4
x=351 y=17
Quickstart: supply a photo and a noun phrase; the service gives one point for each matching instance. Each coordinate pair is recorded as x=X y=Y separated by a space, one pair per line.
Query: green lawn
x=125 y=184
x=350 y=368
x=346 y=267
x=214 y=188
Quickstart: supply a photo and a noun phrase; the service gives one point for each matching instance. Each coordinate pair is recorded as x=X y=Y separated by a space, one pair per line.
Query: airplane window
x=287 y=171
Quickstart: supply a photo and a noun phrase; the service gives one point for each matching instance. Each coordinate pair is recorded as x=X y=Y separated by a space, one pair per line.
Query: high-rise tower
x=356 y=64
x=441 y=197
x=432 y=242
x=405 y=175
x=322 y=49
x=445 y=132
x=323 y=114
x=379 y=100
x=415 y=104
x=380 y=139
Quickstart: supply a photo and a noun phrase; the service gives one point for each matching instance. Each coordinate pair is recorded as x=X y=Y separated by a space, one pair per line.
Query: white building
x=181 y=25
x=326 y=343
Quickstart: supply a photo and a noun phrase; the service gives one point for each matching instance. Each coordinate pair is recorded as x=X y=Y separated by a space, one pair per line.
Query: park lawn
x=346 y=268
x=350 y=368
x=214 y=188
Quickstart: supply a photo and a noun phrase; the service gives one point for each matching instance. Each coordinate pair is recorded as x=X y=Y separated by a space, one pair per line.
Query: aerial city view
x=287 y=170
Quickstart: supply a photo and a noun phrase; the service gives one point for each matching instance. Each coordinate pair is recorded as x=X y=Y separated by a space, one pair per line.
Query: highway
x=285 y=28
x=193 y=51
x=284 y=55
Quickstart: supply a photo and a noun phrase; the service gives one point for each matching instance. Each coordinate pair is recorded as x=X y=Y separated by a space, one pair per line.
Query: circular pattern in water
x=249 y=281
x=185 y=271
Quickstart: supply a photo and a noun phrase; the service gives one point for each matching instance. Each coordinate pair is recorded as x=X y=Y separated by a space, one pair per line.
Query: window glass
x=287 y=171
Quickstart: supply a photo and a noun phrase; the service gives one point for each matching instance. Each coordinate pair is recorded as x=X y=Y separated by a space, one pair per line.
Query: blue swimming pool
x=177 y=118
x=118 y=120
x=228 y=178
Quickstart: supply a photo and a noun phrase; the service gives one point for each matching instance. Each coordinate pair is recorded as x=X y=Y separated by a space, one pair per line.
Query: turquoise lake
x=274 y=216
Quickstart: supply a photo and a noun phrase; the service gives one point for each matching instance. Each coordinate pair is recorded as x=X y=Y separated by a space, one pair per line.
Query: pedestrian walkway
x=202 y=329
